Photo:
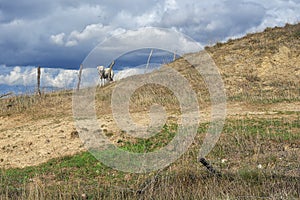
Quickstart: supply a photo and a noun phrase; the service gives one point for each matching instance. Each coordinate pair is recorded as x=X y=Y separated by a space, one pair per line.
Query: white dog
x=105 y=73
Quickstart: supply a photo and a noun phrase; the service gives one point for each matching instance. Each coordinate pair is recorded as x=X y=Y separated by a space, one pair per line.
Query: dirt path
x=26 y=143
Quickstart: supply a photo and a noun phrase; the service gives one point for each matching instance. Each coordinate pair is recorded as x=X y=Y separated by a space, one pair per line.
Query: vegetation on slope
x=257 y=153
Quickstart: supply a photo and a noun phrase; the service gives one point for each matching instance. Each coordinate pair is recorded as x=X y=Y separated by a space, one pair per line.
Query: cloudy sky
x=60 y=33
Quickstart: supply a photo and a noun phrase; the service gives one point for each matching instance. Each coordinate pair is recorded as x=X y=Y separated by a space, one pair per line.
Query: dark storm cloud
x=61 y=33
x=29 y=9
x=213 y=22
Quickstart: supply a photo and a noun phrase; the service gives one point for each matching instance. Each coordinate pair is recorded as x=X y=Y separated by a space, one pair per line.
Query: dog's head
x=100 y=68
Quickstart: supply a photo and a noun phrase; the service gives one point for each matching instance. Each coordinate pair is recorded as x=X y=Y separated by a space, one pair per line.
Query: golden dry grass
x=258 y=151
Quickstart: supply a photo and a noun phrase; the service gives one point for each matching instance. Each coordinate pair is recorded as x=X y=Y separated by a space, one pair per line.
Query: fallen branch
x=209 y=167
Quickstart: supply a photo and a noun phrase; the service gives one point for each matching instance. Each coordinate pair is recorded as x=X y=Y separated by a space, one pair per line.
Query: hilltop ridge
x=269 y=60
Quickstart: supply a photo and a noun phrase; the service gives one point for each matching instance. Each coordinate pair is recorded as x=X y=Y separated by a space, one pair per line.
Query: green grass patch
x=70 y=176
x=153 y=143
x=279 y=129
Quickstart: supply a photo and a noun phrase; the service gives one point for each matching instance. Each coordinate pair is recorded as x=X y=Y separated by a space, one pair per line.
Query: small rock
x=110 y=134
x=259 y=166
x=74 y=134
x=98 y=131
x=84 y=196
x=84 y=129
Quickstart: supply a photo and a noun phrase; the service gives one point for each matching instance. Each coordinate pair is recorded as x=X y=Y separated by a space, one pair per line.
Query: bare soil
x=259 y=66
x=32 y=142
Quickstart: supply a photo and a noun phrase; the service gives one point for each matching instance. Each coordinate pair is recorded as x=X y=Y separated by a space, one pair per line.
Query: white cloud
x=71 y=43
x=171 y=5
x=93 y=33
x=118 y=31
x=58 y=39
x=27 y=76
x=89 y=32
x=12 y=77
x=143 y=38
x=48 y=33
x=128 y=72
x=17 y=75
x=58 y=78
x=148 y=18
x=135 y=71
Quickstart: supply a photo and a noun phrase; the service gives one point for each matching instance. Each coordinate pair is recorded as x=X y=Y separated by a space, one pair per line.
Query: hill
x=261 y=74
x=265 y=62
x=259 y=68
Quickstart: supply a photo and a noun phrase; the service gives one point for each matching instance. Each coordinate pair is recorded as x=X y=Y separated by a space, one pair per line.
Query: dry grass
x=258 y=154
x=45 y=106
x=246 y=144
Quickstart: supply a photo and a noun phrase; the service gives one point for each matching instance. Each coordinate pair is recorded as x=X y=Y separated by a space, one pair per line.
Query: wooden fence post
x=79 y=77
x=174 y=57
x=148 y=61
x=39 y=80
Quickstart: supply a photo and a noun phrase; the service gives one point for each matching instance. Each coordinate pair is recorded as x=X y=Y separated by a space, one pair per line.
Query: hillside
x=261 y=74
x=266 y=62
x=261 y=67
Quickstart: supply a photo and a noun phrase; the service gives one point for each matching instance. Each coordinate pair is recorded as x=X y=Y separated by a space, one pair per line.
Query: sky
x=61 y=33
